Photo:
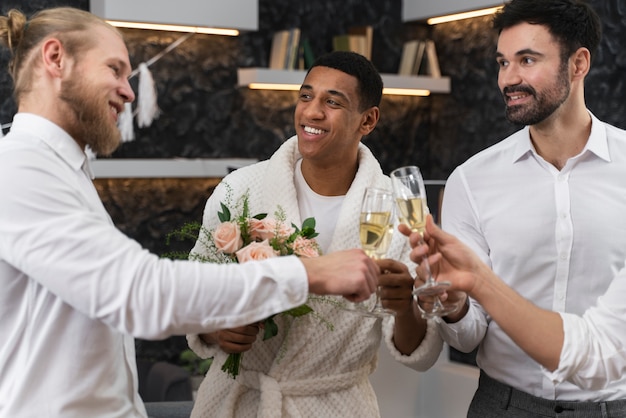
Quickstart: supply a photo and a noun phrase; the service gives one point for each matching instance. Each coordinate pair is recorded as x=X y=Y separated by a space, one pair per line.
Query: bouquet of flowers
x=242 y=237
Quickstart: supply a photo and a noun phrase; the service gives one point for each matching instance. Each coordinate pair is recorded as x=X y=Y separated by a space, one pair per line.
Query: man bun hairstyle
x=21 y=36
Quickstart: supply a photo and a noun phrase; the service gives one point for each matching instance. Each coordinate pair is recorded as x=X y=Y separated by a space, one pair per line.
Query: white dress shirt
x=559 y=239
x=75 y=290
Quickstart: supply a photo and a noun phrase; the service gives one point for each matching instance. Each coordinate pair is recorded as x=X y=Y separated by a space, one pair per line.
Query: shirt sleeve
x=424 y=356
x=465 y=334
x=58 y=234
x=459 y=218
x=201 y=348
x=594 y=348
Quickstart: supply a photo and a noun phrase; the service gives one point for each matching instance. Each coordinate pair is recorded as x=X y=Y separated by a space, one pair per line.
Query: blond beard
x=91 y=123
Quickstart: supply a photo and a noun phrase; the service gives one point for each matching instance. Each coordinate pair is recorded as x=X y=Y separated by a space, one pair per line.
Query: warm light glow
x=406 y=92
x=296 y=87
x=269 y=86
x=174 y=28
x=466 y=15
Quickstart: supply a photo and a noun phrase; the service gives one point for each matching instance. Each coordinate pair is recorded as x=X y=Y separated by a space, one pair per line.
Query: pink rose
x=285 y=231
x=262 y=229
x=304 y=247
x=227 y=237
x=269 y=228
x=256 y=251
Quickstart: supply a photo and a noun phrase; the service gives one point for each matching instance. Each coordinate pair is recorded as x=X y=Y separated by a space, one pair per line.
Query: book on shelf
x=432 y=62
x=306 y=56
x=419 y=58
x=412 y=57
x=358 y=39
x=279 y=49
x=285 y=49
x=366 y=37
x=341 y=43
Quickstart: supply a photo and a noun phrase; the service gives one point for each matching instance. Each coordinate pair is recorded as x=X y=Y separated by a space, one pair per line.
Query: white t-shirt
x=315 y=205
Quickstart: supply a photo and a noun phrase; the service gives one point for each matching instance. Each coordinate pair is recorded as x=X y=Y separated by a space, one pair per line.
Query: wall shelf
x=247 y=76
x=236 y=14
x=416 y=10
x=166 y=168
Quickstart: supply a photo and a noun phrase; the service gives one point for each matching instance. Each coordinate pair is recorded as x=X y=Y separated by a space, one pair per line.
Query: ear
x=581 y=61
x=53 y=57
x=370 y=120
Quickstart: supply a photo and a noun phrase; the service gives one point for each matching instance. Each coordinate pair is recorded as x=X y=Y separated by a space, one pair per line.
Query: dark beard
x=91 y=124
x=545 y=103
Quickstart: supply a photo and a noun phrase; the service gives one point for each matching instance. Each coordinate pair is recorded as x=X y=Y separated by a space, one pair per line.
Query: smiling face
x=328 y=119
x=532 y=77
x=95 y=90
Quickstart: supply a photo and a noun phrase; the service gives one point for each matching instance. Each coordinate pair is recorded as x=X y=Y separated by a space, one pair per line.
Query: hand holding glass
x=410 y=194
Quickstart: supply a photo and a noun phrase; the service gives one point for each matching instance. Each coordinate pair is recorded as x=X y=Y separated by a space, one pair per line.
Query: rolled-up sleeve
x=424 y=356
x=594 y=348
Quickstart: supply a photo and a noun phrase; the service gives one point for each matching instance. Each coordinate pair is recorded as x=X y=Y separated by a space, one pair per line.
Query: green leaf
x=309 y=223
x=271 y=328
x=260 y=216
x=308 y=228
x=176 y=255
x=224 y=215
x=299 y=311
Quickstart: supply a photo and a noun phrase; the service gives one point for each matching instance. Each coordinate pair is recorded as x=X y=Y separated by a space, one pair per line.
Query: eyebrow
x=521 y=52
x=124 y=68
x=331 y=92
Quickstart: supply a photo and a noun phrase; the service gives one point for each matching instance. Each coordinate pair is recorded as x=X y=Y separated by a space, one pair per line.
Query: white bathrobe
x=307 y=370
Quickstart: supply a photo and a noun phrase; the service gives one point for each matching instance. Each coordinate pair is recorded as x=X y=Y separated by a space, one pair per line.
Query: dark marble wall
x=204 y=114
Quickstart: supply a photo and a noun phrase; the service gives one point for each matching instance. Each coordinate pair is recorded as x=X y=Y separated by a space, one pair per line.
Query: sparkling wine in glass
x=410 y=194
x=372 y=231
x=383 y=247
x=376 y=215
x=376 y=229
x=379 y=254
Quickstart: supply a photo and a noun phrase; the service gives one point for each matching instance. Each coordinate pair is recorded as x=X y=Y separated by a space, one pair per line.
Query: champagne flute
x=376 y=208
x=376 y=231
x=410 y=193
x=379 y=254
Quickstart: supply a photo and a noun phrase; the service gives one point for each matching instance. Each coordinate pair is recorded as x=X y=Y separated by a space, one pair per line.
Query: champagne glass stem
x=431 y=288
x=378 y=309
x=429 y=279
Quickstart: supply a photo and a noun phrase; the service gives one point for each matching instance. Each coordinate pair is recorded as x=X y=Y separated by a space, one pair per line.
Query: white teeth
x=313 y=131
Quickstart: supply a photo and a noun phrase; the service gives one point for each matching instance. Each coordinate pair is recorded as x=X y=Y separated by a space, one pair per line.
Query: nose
x=126 y=92
x=312 y=110
x=509 y=76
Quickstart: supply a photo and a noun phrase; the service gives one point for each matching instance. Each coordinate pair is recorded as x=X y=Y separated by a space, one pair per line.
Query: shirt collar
x=54 y=136
x=597 y=142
